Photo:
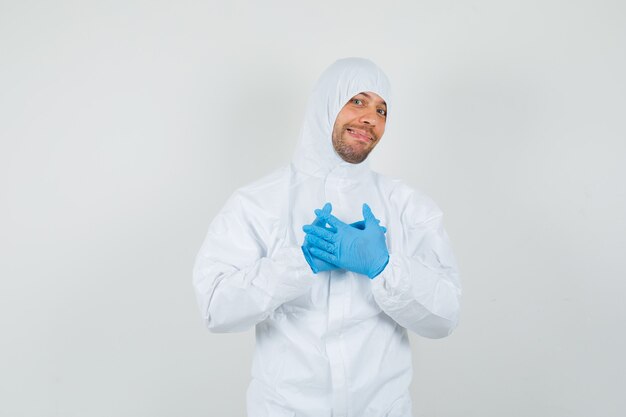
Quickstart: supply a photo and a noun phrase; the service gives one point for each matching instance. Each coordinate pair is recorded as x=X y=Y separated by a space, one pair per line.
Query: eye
x=357 y=101
x=382 y=112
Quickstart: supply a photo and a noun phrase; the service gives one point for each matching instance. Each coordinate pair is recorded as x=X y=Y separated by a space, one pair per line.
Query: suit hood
x=315 y=154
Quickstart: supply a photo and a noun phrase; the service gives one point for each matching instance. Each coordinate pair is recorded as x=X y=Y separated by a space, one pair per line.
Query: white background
x=125 y=125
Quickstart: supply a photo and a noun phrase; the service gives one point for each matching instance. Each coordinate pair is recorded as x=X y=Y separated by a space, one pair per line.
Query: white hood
x=340 y=82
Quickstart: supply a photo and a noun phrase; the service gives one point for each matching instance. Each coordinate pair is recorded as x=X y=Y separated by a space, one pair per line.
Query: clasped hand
x=358 y=247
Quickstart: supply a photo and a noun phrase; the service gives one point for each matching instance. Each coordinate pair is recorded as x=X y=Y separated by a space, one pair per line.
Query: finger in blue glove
x=318 y=264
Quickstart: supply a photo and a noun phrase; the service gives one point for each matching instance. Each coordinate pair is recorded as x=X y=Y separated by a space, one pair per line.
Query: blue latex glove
x=361 y=251
x=317 y=264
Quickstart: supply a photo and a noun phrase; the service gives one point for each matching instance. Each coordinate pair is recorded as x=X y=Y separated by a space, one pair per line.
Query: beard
x=351 y=152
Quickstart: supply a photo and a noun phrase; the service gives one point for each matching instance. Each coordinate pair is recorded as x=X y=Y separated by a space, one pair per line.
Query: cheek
x=346 y=115
x=340 y=121
x=337 y=127
x=380 y=130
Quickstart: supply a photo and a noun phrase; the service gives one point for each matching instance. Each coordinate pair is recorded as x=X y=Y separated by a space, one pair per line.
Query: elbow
x=212 y=325
x=442 y=323
x=435 y=327
x=227 y=322
x=215 y=325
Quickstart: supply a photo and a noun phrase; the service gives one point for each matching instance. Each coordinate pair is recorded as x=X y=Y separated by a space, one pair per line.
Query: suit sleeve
x=420 y=287
x=237 y=284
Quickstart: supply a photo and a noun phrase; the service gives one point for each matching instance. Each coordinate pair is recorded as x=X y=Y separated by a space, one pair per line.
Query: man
x=331 y=307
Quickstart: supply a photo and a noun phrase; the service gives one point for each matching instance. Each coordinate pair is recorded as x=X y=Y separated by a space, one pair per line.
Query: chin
x=356 y=159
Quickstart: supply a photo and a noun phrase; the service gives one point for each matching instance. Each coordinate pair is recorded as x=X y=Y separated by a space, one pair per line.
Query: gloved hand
x=317 y=264
x=361 y=251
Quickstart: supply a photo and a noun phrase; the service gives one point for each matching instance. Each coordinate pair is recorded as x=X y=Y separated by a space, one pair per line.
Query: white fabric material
x=335 y=343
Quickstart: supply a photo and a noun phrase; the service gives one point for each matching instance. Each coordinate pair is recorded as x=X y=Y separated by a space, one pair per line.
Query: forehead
x=372 y=97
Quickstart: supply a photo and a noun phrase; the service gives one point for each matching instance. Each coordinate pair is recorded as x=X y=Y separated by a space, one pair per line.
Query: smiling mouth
x=360 y=135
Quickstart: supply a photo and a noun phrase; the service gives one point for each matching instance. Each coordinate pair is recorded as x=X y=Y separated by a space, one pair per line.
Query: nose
x=368 y=117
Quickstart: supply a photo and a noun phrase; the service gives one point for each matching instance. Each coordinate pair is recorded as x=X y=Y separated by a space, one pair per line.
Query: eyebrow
x=370 y=97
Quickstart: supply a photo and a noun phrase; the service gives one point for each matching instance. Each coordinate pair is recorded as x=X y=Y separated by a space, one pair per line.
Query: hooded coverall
x=333 y=343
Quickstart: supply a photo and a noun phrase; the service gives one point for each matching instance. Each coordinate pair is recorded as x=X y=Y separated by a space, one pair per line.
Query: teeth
x=361 y=134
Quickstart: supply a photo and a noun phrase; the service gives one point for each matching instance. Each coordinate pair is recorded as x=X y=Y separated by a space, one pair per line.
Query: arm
x=420 y=287
x=237 y=285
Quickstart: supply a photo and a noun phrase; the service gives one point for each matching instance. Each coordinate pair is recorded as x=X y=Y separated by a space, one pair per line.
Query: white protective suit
x=335 y=343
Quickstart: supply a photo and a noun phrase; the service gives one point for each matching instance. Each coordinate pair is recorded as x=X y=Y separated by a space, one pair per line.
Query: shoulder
x=254 y=208
x=414 y=204
x=265 y=188
x=263 y=197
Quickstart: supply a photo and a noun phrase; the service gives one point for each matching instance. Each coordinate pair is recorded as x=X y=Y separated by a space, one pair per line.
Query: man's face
x=359 y=126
